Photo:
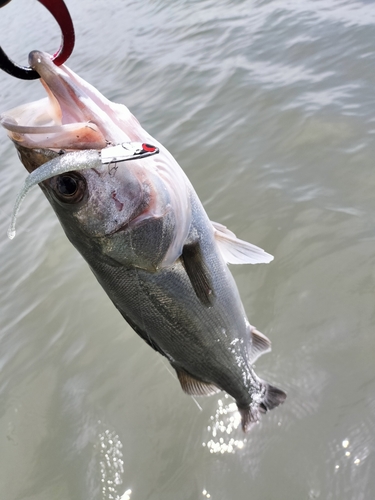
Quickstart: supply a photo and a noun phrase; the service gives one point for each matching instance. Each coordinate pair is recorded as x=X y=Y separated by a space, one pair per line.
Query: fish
x=132 y=213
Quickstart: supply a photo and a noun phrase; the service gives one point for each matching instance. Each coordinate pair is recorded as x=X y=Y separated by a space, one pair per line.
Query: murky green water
x=269 y=107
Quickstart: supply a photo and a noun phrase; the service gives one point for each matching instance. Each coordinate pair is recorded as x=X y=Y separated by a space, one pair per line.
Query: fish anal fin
x=260 y=344
x=198 y=273
x=194 y=387
x=236 y=251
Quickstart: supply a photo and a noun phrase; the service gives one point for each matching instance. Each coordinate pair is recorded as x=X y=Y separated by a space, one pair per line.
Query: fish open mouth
x=71 y=136
x=76 y=118
x=73 y=116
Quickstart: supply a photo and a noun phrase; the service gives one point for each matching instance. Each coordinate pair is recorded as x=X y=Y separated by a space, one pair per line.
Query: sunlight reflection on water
x=111 y=466
x=225 y=421
x=347 y=454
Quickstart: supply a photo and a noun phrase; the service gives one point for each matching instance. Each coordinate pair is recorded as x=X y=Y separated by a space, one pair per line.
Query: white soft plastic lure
x=76 y=161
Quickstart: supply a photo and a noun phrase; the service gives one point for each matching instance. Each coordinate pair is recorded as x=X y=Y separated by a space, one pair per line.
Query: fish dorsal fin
x=236 y=251
x=198 y=273
x=260 y=344
x=193 y=386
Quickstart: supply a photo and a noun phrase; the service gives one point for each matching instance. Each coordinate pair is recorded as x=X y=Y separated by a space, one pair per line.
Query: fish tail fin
x=272 y=398
x=249 y=417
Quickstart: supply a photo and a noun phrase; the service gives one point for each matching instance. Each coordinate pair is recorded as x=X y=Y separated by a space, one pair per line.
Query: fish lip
x=77 y=103
x=36 y=56
x=42 y=63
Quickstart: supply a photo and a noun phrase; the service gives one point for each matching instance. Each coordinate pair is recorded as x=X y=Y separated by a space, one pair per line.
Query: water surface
x=269 y=107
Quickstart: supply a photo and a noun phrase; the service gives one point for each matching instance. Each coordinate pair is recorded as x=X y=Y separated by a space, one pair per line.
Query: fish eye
x=69 y=187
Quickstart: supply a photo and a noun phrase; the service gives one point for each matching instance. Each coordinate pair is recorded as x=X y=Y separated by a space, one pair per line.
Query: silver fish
x=141 y=227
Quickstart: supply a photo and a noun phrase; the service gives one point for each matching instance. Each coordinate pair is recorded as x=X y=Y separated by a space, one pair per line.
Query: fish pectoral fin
x=198 y=273
x=236 y=251
x=194 y=387
x=260 y=344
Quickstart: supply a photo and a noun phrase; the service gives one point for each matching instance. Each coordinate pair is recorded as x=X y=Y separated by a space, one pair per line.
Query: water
x=269 y=107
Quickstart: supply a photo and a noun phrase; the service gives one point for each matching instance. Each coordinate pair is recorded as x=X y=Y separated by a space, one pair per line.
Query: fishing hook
x=61 y=14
